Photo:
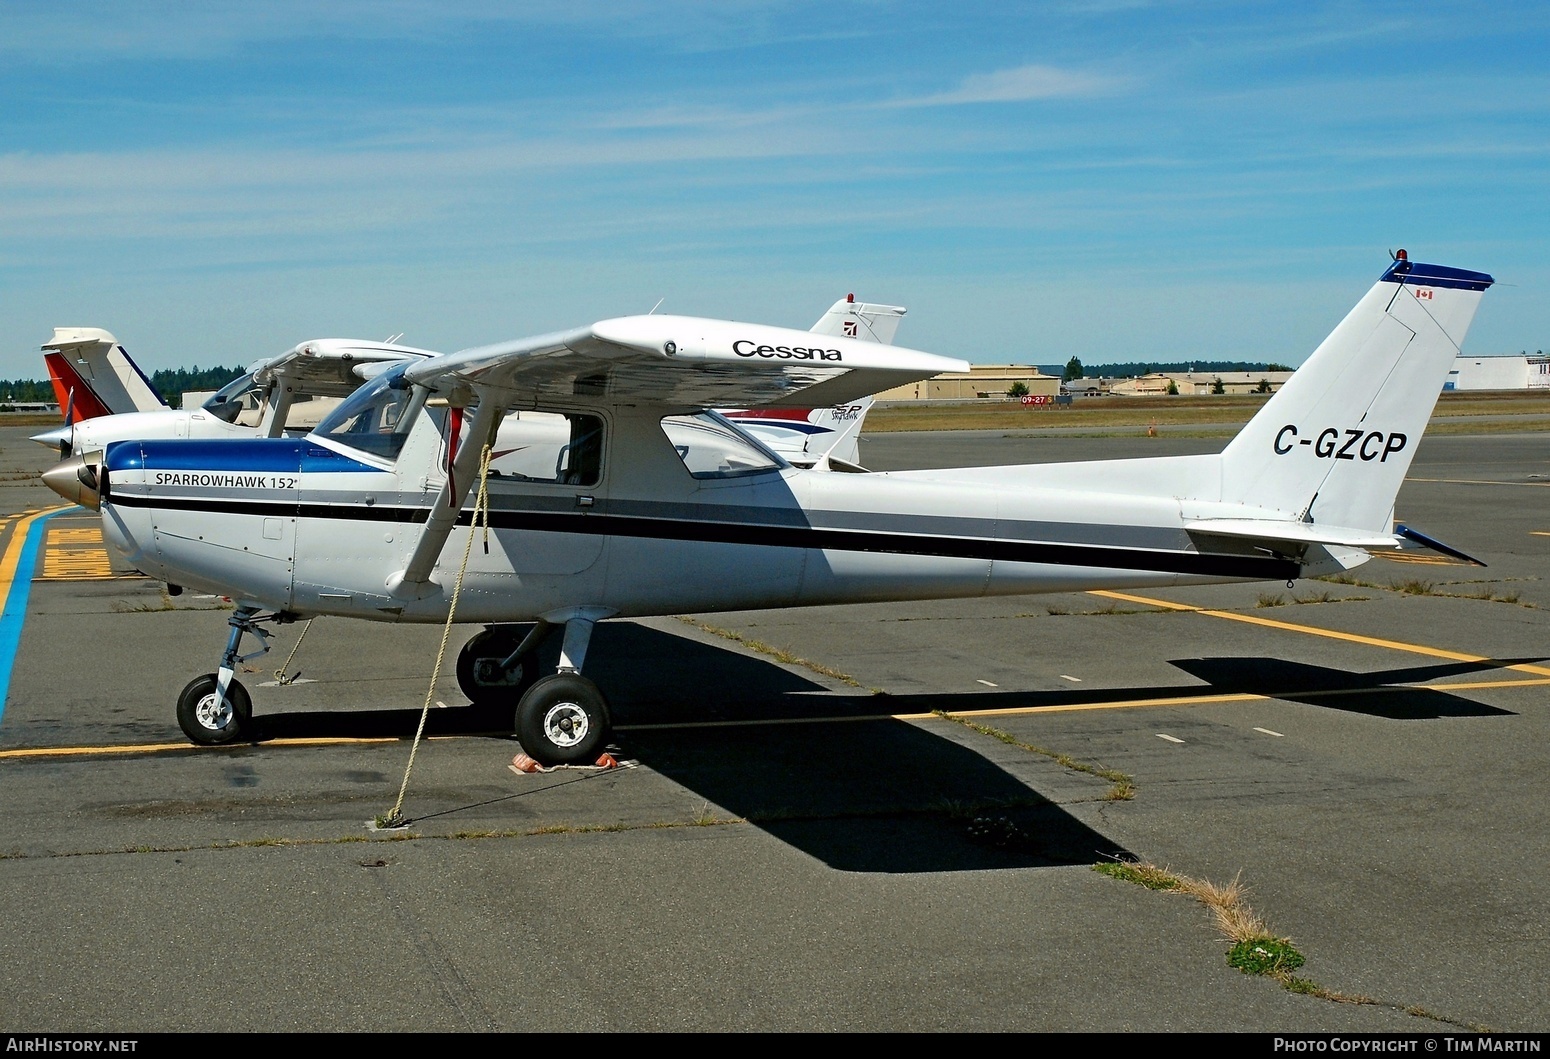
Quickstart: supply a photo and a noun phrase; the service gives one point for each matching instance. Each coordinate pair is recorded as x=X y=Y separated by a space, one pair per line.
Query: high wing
x=673 y=362
x=686 y=362
x=327 y=367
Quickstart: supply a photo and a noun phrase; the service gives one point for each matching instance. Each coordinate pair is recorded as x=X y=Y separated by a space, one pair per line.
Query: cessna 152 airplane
x=107 y=398
x=652 y=504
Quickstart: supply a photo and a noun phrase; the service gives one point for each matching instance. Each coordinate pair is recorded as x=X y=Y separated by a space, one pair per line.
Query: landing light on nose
x=78 y=479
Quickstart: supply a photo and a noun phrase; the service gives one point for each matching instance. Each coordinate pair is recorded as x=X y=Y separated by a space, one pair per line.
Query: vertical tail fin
x=1332 y=446
x=852 y=319
x=93 y=376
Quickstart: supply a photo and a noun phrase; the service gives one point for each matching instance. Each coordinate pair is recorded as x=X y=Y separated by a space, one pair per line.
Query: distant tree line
x=171 y=383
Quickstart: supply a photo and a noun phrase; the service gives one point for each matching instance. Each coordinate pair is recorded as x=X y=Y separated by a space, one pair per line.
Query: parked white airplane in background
x=107 y=398
x=653 y=504
x=289 y=392
x=826 y=438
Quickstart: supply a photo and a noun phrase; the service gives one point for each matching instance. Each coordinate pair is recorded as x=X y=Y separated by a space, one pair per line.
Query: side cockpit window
x=565 y=448
x=711 y=447
x=376 y=418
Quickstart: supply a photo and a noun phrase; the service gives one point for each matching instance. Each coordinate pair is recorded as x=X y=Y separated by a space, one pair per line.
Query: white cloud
x=1021 y=84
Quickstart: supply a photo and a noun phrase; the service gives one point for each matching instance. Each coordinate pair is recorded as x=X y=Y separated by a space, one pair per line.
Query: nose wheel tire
x=563 y=720
x=209 y=722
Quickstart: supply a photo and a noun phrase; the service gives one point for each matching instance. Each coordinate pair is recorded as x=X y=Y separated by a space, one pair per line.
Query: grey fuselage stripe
x=767 y=534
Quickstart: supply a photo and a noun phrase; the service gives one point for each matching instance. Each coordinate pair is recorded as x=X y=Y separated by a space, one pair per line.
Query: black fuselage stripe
x=595 y=523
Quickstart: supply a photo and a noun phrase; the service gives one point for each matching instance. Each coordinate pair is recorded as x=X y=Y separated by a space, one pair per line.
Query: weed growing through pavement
x=1255 y=948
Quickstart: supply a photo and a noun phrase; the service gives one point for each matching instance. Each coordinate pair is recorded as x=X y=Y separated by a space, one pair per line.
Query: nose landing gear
x=215 y=709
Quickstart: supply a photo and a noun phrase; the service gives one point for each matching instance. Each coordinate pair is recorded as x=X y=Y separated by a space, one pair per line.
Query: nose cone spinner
x=78 y=479
x=60 y=438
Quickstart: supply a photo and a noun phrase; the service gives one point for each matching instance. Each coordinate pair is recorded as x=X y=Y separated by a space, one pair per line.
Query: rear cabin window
x=711 y=447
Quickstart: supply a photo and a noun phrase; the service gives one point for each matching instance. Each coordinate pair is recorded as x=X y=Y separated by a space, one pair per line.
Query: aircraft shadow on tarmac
x=836 y=778
x=1379 y=694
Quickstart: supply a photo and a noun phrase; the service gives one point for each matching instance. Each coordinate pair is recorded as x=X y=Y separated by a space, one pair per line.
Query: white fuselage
x=313 y=526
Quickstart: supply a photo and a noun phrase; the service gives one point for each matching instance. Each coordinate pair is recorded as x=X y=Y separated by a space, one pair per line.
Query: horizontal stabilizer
x=1289 y=537
x=1434 y=545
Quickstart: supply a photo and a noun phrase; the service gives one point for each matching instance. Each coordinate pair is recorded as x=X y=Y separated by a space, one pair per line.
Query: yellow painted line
x=1078 y=707
x=1205 y=700
x=1016 y=711
x=158 y=748
x=1427 y=560
x=18 y=542
x=1539 y=533
x=1313 y=630
x=1476 y=685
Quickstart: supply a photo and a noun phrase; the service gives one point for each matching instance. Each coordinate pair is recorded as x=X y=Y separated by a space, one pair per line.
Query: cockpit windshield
x=238 y=396
x=377 y=417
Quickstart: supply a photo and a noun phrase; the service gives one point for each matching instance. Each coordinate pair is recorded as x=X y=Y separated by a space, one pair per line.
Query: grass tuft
x=1268 y=956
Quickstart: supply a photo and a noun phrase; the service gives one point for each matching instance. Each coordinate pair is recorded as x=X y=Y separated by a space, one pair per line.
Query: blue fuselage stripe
x=272 y=455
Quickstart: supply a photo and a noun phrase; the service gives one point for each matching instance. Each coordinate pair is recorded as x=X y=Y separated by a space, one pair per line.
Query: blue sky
x=216 y=182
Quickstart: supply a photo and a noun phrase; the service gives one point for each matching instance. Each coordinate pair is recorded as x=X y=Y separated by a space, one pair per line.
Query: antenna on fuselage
x=657 y=306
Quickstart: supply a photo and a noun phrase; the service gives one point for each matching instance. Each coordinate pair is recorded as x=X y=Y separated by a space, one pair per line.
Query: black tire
x=563 y=720
x=478 y=676
x=206 y=725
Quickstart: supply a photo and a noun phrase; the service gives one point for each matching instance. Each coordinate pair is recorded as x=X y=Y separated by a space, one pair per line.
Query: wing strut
x=415 y=581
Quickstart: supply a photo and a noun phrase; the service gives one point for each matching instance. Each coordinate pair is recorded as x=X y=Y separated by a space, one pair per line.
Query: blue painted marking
x=1421 y=275
x=274 y=455
x=16 y=603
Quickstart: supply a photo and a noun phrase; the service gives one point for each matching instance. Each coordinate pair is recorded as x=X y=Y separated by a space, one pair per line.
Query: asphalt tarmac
x=881 y=818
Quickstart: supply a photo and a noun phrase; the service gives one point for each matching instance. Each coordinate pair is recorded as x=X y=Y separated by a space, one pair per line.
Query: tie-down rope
x=394 y=817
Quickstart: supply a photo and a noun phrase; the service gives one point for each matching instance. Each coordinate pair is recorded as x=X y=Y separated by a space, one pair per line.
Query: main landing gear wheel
x=211 y=723
x=479 y=672
x=563 y=720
